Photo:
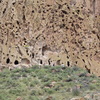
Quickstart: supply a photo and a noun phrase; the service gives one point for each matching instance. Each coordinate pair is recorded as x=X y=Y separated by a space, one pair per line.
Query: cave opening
x=16 y=62
x=41 y=62
x=68 y=63
x=32 y=55
x=8 y=61
x=58 y=62
x=49 y=62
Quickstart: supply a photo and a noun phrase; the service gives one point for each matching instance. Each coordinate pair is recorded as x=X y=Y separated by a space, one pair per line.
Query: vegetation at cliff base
x=47 y=83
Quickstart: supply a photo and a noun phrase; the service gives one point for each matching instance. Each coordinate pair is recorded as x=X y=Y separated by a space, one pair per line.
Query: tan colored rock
x=78 y=98
x=50 y=32
x=94 y=96
x=87 y=97
x=50 y=2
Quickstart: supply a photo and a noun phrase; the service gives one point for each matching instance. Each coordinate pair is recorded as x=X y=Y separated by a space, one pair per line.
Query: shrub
x=3 y=96
x=15 y=76
x=33 y=92
x=32 y=98
x=92 y=87
x=75 y=92
x=84 y=74
x=35 y=67
x=45 y=79
x=75 y=68
x=16 y=91
x=33 y=83
x=49 y=90
x=39 y=83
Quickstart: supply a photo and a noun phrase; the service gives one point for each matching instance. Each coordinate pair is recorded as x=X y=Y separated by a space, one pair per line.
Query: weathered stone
x=96 y=96
x=50 y=32
x=78 y=98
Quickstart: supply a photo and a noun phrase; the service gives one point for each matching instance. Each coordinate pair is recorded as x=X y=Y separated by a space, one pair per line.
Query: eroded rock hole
x=58 y=62
x=62 y=25
x=83 y=60
x=16 y=62
x=8 y=61
x=24 y=18
x=88 y=69
x=32 y=55
x=32 y=11
x=45 y=48
x=41 y=62
x=0 y=1
x=4 y=11
x=18 y=22
x=76 y=62
x=49 y=62
x=78 y=11
x=64 y=12
x=68 y=63
x=53 y=64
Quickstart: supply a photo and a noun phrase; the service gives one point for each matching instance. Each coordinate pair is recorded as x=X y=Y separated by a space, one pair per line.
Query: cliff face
x=50 y=32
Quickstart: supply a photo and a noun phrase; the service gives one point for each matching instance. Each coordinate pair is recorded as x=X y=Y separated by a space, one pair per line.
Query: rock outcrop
x=50 y=32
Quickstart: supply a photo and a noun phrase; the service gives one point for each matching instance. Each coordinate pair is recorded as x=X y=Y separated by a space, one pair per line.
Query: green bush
x=3 y=95
x=16 y=91
x=92 y=87
x=33 y=98
x=33 y=83
x=40 y=83
x=33 y=92
x=75 y=92
x=49 y=90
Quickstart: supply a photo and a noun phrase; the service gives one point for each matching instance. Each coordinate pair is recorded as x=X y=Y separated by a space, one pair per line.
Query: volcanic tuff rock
x=50 y=32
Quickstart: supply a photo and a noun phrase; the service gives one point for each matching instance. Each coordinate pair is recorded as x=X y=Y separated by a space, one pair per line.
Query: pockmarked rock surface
x=50 y=32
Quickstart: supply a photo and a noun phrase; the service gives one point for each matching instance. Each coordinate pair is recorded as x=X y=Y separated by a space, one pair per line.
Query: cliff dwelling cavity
x=16 y=62
x=8 y=61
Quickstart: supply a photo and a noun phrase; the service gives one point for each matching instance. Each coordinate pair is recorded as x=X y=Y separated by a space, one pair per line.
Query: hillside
x=49 y=83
